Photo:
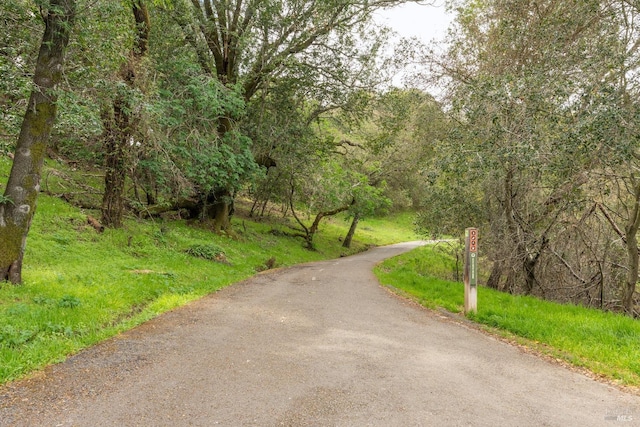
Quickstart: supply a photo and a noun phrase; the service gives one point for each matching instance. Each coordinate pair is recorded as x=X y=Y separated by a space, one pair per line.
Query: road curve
x=314 y=345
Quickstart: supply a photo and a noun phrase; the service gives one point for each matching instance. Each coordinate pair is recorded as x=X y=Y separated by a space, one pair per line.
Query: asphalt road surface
x=320 y=344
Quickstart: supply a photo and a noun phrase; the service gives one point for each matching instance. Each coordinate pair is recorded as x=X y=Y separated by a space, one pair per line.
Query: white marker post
x=471 y=270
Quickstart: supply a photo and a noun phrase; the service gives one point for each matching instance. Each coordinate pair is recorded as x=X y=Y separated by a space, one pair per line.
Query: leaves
x=210 y=251
x=543 y=105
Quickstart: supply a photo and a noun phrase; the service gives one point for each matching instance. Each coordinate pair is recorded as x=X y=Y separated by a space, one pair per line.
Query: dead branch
x=613 y=224
x=95 y=224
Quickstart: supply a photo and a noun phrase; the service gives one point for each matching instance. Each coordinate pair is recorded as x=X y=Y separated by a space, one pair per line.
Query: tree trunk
x=352 y=231
x=115 y=148
x=514 y=240
x=510 y=284
x=316 y=222
x=309 y=232
x=522 y=258
x=631 y=231
x=496 y=274
x=217 y=207
x=630 y=239
x=221 y=210
x=121 y=126
x=18 y=204
x=529 y=267
x=632 y=275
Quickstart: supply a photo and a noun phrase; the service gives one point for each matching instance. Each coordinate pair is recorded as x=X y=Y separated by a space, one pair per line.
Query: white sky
x=411 y=19
x=427 y=22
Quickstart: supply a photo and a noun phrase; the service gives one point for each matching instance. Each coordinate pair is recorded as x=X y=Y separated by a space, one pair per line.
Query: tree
x=407 y=128
x=248 y=43
x=368 y=199
x=609 y=125
x=183 y=156
x=120 y=120
x=18 y=204
x=326 y=192
x=386 y=152
x=517 y=73
x=542 y=102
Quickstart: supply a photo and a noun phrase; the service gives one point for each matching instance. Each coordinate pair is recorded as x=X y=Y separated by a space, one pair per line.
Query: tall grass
x=605 y=343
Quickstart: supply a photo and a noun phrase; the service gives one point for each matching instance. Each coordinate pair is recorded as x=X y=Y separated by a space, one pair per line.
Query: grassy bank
x=81 y=286
x=604 y=343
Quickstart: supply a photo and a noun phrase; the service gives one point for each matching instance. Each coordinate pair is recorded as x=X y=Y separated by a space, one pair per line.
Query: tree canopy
x=185 y=104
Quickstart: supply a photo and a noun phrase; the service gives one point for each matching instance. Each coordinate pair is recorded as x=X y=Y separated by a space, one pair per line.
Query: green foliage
x=395 y=144
x=604 y=343
x=188 y=108
x=69 y=301
x=5 y=199
x=543 y=122
x=206 y=251
x=449 y=207
x=97 y=50
x=210 y=165
x=369 y=200
x=21 y=31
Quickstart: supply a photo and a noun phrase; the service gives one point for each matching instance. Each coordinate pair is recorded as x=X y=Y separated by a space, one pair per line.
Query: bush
x=209 y=251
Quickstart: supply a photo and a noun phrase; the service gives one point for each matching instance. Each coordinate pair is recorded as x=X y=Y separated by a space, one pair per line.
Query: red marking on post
x=473 y=240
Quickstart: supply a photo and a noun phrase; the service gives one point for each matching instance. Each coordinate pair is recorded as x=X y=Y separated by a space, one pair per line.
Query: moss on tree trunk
x=19 y=202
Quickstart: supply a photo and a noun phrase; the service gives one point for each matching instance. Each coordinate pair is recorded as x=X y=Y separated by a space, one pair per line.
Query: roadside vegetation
x=81 y=286
x=605 y=343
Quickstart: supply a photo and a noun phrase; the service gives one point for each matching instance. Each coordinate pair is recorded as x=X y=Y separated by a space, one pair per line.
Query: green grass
x=394 y=228
x=604 y=343
x=81 y=287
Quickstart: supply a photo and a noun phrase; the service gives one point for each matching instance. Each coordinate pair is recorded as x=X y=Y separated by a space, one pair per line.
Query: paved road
x=316 y=345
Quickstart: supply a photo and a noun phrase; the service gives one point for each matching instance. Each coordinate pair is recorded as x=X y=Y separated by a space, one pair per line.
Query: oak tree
x=18 y=204
x=245 y=43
